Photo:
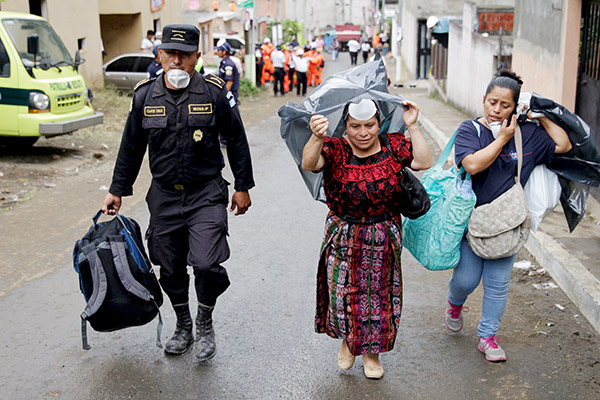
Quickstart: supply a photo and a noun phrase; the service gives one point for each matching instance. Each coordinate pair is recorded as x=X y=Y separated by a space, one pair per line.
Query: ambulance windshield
x=51 y=51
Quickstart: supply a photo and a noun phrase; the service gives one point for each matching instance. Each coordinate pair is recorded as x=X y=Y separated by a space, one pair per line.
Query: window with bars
x=590 y=39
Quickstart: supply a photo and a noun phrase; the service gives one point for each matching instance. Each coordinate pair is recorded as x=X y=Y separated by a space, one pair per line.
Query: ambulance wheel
x=16 y=142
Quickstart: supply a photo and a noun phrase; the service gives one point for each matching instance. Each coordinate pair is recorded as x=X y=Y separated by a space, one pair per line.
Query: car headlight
x=38 y=102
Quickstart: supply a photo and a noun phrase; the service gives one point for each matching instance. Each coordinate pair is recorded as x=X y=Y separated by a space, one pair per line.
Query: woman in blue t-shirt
x=486 y=148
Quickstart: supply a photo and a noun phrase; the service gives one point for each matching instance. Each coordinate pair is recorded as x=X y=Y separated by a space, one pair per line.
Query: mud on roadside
x=23 y=171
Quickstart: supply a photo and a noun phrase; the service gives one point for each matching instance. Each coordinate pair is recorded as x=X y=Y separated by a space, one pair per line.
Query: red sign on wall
x=490 y=21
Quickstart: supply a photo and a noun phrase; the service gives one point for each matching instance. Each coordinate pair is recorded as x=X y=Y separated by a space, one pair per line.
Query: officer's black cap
x=180 y=37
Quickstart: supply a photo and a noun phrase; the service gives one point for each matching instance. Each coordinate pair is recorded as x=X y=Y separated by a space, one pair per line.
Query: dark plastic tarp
x=368 y=80
x=577 y=169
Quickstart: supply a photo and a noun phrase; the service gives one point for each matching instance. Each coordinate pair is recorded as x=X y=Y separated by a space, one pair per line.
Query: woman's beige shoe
x=372 y=370
x=373 y=373
x=345 y=358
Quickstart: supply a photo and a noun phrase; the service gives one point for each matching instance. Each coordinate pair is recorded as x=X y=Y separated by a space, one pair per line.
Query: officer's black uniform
x=228 y=72
x=154 y=69
x=188 y=196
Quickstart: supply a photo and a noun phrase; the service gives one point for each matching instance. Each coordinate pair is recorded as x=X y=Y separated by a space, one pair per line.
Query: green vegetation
x=290 y=30
x=246 y=89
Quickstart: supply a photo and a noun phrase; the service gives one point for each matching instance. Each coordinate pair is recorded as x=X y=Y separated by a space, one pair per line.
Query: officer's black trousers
x=189 y=227
x=291 y=73
x=301 y=83
x=279 y=76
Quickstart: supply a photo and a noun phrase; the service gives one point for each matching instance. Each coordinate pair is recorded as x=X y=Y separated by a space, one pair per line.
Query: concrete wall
x=470 y=64
x=546 y=47
x=124 y=23
x=408 y=46
x=73 y=20
x=119 y=24
x=120 y=33
x=414 y=10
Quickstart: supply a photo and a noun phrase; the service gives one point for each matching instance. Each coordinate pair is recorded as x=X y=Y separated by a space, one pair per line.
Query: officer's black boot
x=182 y=338
x=205 y=334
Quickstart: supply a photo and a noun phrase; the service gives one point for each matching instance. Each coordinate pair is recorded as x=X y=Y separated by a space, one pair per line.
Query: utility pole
x=350 y=11
x=377 y=17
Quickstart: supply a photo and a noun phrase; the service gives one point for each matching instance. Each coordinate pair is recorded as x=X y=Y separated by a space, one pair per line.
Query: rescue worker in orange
x=319 y=62
x=268 y=69
x=312 y=68
x=286 y=68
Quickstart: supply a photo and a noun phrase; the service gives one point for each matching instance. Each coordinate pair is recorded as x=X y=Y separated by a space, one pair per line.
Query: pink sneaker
x=493 y=351
x=453 y=317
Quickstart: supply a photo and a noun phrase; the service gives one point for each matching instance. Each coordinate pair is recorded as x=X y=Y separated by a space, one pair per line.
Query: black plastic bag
x=368 y=81
x=577 y=169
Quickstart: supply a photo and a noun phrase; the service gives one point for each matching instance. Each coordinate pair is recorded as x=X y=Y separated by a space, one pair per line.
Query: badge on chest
x=198 y=135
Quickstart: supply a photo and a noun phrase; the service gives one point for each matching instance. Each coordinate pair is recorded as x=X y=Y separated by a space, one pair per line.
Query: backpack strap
x=132 y=243
x=476 y=125
x=100 y=286
x=117 y=247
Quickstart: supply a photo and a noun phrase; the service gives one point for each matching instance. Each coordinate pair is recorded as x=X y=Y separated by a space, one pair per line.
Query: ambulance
x=41 y=90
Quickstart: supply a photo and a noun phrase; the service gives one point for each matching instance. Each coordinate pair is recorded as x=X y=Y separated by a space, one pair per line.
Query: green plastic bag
x=434 y=239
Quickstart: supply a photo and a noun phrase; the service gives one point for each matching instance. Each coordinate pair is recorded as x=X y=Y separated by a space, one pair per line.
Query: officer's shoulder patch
x=215 y=80
x=142 y=83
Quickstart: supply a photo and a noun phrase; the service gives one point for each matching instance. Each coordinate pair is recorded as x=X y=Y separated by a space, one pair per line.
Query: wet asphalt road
x=264 y=323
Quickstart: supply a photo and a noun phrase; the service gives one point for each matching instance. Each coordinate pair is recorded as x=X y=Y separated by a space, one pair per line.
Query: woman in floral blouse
x=359 y=279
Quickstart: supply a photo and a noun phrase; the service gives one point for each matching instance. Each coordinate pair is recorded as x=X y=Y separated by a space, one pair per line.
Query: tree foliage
x=291 y=29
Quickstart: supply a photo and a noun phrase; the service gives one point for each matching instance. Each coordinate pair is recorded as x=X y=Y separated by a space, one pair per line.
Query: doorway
x=423 y=50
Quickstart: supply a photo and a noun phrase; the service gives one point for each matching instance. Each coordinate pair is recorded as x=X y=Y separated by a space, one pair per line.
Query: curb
x=436 y=134
x=573 y=278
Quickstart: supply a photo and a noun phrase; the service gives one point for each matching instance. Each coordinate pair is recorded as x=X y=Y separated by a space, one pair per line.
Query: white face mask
x=178 y=78
x=495 y=128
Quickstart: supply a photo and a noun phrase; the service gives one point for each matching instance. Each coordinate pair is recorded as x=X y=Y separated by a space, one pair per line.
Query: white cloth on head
x=363 y=110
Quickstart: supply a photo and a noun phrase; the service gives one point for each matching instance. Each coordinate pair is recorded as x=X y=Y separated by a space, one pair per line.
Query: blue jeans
x=496 y=277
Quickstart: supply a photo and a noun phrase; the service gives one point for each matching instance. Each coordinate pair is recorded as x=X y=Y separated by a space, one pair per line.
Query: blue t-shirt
x=538 y=148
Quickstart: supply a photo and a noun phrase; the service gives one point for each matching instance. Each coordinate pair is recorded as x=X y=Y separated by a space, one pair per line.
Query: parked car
x=126 y=70
x=235 y=41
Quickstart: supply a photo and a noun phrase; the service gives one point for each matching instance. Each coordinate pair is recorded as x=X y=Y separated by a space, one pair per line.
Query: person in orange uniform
x=312 y=68
x=286 y=68
x=319 y=62
x=268 y=69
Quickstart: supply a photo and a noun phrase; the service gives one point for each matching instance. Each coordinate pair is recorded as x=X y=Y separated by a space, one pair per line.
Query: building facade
x=117 y=26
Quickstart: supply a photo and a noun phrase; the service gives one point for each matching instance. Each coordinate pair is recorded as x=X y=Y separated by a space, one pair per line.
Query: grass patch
x=247 y=90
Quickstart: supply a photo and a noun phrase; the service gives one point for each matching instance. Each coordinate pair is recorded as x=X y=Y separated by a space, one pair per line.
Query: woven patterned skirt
x=359 y=284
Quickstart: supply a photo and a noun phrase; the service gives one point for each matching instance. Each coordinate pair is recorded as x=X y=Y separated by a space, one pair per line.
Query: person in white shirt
x=278 y=59
x=366 y=48
x=301 y=64
x=353 y=47
x=148 y=41
x=157 y=38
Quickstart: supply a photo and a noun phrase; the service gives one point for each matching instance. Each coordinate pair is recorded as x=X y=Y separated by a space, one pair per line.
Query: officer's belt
x=186 y=186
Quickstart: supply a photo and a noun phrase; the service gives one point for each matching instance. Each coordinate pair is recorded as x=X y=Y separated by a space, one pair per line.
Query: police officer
x=227 y=69
x=179 y=117
x=155 y=67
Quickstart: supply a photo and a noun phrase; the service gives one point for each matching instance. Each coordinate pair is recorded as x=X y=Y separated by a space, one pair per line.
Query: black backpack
x=116 y=278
